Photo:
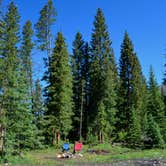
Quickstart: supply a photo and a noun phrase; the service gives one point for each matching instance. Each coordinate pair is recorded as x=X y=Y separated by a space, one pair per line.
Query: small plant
x=91 y=139
x=122 y=136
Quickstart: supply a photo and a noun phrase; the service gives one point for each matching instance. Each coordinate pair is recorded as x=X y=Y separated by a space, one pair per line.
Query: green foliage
x=131 y=93
x=154 y=133
x=124 y=93
x=91 y=138
x=102 y=77
x=114 y=108
x=43 y=26
x=155 y=105
x=59 y=96
x=10 y=95
x=78 y=62
x=38 y=113
x=15 y=86
x=117 y=155
x=80 y=71
x=134 y=134
x=25 y=55
x=121 y=136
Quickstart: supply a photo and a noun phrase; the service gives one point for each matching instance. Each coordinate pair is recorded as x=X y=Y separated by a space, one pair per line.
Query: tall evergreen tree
x=77 y=70
x=59 y=91
x=9 y=104
x=80 y=70
x=155 y=105
x=130 y=92
x=15 y=103
x=1 y=77
x=102 y=67
x=25 y=55
x=29 y=133
x=43 y=27
x=163 y=89
x=86 y=88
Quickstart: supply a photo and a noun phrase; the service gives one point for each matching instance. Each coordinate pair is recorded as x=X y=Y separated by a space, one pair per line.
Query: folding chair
x=77 y=147
x=65 y=147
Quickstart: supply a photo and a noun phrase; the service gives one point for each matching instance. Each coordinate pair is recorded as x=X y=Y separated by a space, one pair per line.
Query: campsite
x=82 y=82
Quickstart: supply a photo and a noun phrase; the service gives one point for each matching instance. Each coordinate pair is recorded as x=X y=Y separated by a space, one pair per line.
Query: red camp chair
x=77 y=147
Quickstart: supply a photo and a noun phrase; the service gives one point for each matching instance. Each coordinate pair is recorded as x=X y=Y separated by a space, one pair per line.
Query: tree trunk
x=58 y=137
x=2 y=133
x=100 y=136
x=53 y=136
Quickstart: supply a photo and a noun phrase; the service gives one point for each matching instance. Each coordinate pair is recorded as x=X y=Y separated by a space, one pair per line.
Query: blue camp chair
x=65 y=147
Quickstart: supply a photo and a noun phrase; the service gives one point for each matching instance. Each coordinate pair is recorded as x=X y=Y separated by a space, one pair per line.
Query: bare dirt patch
x=98 y=152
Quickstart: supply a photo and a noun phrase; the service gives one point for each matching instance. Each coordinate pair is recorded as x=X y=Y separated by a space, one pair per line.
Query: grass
x=47 y=157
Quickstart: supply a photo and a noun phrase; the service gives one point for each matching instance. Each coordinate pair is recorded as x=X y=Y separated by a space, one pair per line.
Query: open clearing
x=102 y=154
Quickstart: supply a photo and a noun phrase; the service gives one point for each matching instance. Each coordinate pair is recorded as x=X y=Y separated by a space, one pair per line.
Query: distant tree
x=59 y=92
x=102 y=72
x=43 y=27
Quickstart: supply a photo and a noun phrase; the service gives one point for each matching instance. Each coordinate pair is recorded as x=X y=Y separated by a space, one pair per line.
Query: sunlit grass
x=47 y=157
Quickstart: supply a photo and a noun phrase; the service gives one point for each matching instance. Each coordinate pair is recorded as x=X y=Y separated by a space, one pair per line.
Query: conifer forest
x=86 y=95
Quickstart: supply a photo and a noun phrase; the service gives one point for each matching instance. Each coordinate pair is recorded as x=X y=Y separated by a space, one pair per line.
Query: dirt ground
x=137 y=162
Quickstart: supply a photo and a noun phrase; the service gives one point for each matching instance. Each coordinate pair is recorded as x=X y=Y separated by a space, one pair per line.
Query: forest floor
x=100 y=155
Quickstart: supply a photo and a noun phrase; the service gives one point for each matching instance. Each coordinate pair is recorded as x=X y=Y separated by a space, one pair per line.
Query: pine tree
x=134 y=133
x=124 y=94
x=38 y=112
x=102 y=67
x=77 y=70
x=1 y=30
x=29 y=129
x=163 y=89
x=19 y=131
x=110 y=99
x=43 y=27
x=9 y=103
x=86 y=87
x=1 y=77
x=130 y=94
x=164 y=79
x=80 y=70
x=154 y=136
x=155 y=105
x=59 y=92
x=25 y=55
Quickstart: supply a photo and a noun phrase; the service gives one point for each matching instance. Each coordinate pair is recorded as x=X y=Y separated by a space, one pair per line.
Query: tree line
x=85 y=96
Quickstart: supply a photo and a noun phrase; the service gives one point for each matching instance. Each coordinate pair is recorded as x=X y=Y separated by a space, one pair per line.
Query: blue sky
x=145 y=21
